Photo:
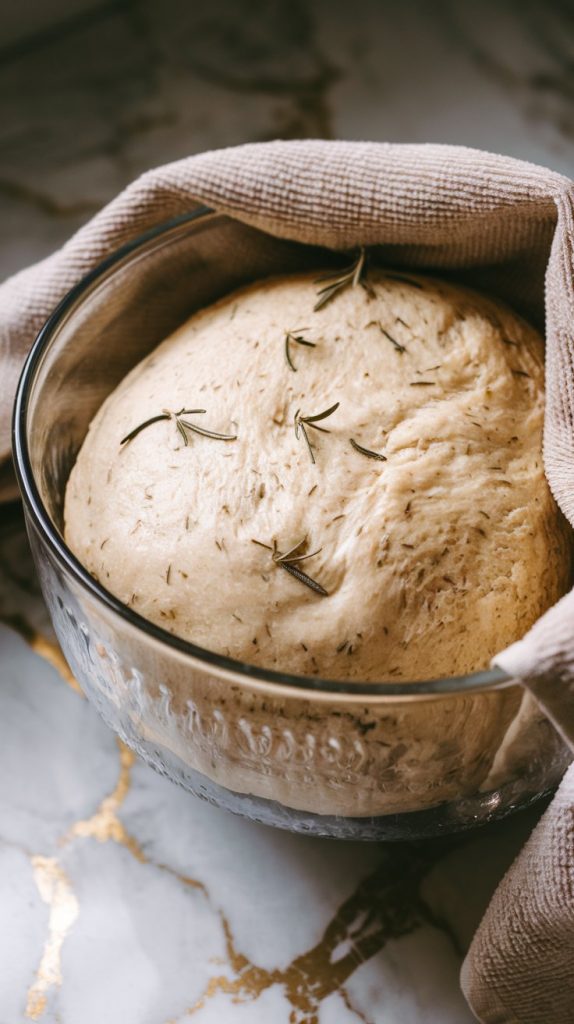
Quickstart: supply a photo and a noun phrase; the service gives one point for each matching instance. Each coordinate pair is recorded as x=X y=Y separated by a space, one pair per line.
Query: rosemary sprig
x=298 y=339
x=182 y=425
x=367 y=451
x=289 y=560
x=341 y=279
x=302 y=422
x=196 y=429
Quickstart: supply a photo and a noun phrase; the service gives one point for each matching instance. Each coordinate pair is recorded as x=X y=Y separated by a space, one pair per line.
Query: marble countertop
x=124 y=899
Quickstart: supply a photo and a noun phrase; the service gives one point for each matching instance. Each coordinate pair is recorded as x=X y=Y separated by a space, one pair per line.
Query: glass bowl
x=358 y=761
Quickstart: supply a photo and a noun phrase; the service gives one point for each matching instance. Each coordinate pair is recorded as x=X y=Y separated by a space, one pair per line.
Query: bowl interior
x=101 y=330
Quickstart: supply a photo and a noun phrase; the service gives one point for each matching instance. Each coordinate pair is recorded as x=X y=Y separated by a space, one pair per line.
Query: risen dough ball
x=432 y=560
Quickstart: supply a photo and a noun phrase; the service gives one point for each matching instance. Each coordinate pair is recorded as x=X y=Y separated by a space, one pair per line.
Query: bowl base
x=441 y=820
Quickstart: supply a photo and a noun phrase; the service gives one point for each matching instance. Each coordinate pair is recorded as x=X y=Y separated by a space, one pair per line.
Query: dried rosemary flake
x=403 y=279
x=396 y=344
x=339 y=280
x=297 y=339
x=183 y=426
x=142 y=426
x=196 y=429
x=302 y=422
x=367 y=451
x=289 y=560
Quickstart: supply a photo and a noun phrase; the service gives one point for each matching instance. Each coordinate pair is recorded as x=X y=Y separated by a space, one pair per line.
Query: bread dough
x=432 y=560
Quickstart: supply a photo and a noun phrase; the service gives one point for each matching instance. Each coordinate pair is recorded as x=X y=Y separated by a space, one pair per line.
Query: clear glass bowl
x=361 y=761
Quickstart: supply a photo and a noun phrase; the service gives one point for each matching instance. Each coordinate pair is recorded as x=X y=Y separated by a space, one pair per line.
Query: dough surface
x=432 y=560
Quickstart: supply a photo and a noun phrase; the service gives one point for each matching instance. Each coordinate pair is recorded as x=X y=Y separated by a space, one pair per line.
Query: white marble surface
x=98 y=97
x=123 y=899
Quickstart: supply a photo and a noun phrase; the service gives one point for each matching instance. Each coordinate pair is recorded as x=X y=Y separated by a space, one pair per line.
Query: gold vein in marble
x=56 y=890
x=386 y=905
x=44 y=647
x=353 y=1009
x=105 y=825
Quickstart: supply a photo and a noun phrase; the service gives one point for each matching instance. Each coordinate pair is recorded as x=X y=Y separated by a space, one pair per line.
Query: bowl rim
x=241 y=672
